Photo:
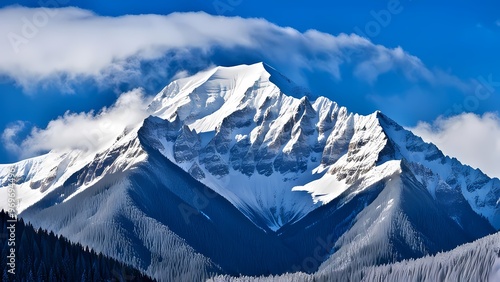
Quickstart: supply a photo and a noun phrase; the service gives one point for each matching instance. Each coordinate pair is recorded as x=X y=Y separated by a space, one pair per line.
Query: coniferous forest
x=476 y=261
x=43 y=256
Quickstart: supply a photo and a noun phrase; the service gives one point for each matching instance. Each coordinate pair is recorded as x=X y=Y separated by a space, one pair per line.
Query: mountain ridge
x=289 y=170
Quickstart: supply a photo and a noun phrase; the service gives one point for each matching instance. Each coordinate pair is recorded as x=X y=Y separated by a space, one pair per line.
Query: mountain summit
x=240 y=159
x=237 y=131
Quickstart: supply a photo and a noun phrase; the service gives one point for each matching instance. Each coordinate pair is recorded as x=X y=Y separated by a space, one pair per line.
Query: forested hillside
x=43 y=256
x=476 y=261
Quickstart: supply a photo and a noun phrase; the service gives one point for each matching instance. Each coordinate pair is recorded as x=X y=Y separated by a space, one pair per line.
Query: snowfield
x=241 y=159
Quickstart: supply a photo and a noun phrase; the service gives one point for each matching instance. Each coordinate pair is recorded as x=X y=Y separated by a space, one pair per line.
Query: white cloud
x=71 y=43
x=9 y=135
x=90 y=131
x=473 y=139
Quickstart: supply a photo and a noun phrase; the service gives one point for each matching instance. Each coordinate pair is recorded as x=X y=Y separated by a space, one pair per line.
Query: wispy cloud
x=9 y=136
x=69 y=44
x=473 y=139
x=87 y=131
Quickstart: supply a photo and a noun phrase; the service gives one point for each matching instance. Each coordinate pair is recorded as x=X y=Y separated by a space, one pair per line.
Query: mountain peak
x=247 y=128
x=247 y=131
x=235 y=142
x=202 y=101
x=275 y=156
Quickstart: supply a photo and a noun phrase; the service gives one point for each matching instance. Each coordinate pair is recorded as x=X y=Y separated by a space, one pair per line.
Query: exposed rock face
x=280 y=135
x=196 y=171
x=187 y=145
x=229 y=122
x=250 y=135
x=228 y=156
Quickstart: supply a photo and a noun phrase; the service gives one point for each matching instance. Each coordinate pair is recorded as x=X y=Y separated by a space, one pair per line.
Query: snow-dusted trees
x=41 y=256
x=477 y=261
x=470 y=262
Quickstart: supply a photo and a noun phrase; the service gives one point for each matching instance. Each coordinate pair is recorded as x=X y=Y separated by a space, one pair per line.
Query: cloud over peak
x=471 y=138
x=69 y=43
x=86 y=131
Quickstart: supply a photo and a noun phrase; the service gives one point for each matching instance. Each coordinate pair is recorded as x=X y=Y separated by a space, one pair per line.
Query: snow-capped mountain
x=247 y=140
x=242 y=154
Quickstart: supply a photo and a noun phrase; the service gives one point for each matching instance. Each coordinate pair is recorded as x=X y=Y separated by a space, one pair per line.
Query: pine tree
x=85 y=277
x=54 y=258
x=40 y=274
x=31 y=277
x=52 y=275
x=5 y=276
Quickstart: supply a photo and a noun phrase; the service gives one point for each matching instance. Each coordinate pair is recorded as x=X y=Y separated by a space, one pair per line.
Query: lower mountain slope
x=160 y=220
x=476 y=261
x=229 y=175
x=43 y=256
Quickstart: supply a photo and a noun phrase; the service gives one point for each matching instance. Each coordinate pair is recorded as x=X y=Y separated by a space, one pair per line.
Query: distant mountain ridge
x=241 y=154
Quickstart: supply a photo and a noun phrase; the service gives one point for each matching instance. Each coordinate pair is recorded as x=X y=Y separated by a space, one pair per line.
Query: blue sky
x=420 y=62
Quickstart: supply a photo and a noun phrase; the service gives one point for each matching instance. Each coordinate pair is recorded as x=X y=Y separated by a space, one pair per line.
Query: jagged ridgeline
x=43 y=256
x=238 y=171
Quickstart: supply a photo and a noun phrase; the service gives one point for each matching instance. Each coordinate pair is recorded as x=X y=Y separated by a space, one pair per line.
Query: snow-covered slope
x=239 y=133
x=448 y=181
x=275 y=157
x=37 y=177
x=284 y=168
x=254 y=137
x=476 y=261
